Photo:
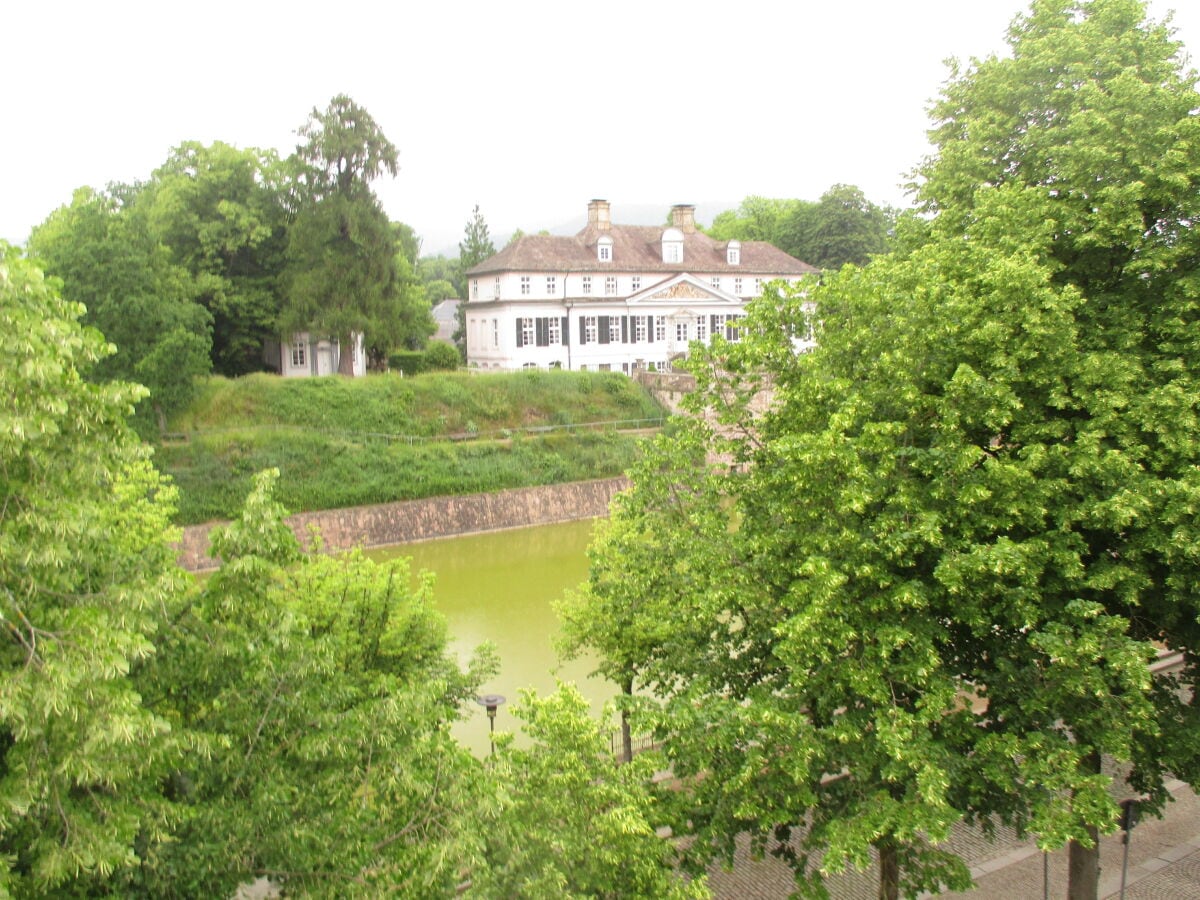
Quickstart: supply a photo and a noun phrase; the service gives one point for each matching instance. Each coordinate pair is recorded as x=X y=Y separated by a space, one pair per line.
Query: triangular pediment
x=683 y=288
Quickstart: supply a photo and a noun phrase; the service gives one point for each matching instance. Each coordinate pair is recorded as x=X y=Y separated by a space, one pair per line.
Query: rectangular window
x=737 y=286
x=610 y=285
x=605 y=252
x=496 y=289
x=298 y=354
x=605 y=367
x=587 y=284
x=660 y=328
x=715 y=281
x=614 y=330
x=527 y=333
x=732 y=333
x=701 y=328
x=551 y=285
x=757 y=286
x=474 y=288
x=681 y=332
x=639 y=329
x=635 y=283
x=495 y=332
x=553 y=330
x=590 y=330
x=525 y=284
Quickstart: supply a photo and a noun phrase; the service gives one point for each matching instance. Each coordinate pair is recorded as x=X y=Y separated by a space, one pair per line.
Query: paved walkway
x=1164 y=864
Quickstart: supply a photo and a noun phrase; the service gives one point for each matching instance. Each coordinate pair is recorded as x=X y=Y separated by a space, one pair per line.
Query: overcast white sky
x=528 y=108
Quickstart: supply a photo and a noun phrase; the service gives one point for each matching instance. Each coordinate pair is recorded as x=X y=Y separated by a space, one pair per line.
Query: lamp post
x=491 y=702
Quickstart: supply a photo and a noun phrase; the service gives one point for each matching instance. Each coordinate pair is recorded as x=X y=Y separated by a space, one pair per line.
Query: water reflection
x=499 y=587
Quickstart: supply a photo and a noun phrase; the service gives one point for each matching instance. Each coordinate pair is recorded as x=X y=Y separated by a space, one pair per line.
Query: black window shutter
x=566 y=330
x=542 y=331
x=519 y=337
x=582 y=332
x=624 y=329
x=649 y=329
x=604 y=329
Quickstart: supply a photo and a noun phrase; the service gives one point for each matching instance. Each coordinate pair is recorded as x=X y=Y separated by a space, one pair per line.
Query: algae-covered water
x=499 y=587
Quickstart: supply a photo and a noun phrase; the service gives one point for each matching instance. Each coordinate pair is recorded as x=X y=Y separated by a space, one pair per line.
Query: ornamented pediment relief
x=682 y=291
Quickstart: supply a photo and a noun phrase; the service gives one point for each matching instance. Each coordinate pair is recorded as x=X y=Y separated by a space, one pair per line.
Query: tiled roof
x=636 y=248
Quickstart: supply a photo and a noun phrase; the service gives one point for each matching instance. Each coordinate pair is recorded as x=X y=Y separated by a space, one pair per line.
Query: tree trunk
x=889 y=870
x=1083 y=868
x=346 y=354
x=1083 y=863
x=626 y=735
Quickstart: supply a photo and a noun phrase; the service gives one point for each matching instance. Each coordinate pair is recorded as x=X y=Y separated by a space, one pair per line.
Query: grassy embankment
x=341 y=442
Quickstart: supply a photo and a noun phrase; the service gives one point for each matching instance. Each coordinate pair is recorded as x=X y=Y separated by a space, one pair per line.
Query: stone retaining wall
x=418 y=520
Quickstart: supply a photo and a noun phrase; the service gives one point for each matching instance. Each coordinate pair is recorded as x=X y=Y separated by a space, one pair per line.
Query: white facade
x=613 y=297
x=304 y=355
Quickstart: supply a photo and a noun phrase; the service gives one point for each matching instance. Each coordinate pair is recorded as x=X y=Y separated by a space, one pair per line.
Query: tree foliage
x=959 y=528
x=220 y=213
x=85 y=570
x=108 y=259
x=572 y=823
x=475 y=247
x=342 y=272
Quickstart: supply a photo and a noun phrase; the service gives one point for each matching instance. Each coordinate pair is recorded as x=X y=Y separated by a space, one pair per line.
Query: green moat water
x=500 y=587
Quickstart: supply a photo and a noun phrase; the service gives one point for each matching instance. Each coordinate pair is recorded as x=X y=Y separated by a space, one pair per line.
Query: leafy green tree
x=756 y=219
x=962 y=524
x=325 y=688
x=572 y=822
x=108 y=258
x=341 y=272
x=842 y=227
x=85 y=569
x=1080 y=151
x=220 y=212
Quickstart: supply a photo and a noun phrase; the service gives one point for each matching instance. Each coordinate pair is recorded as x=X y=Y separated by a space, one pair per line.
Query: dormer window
x=604 y=248
x=733 y=253
x=672 y=246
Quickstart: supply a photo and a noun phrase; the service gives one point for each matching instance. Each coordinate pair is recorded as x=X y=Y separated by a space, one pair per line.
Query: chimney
x=683 y=217
x=599 y=215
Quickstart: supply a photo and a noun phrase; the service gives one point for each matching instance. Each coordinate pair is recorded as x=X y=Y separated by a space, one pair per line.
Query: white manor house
x=614 y=297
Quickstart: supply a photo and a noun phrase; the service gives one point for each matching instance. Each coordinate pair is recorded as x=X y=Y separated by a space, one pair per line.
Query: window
x=610 y=285
x=551 y=284
x=299 y=351
x=590 y=332
x=554 y=330
x=681 y=332
x=495 y=332
x=604 y=249
x=496 y=290
x=715 y=281
x=660 y=328
x=757 y=286
x=639 y=329
x=733 y=253
x=525 y=284
x=701 y=328
x=737 y=286
x=605 y=367
x=529 y=365
x=526 y=331
x=474 y=288
x=635 y=283
x=614 y=330
x=587 y=284
x=672 y=245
